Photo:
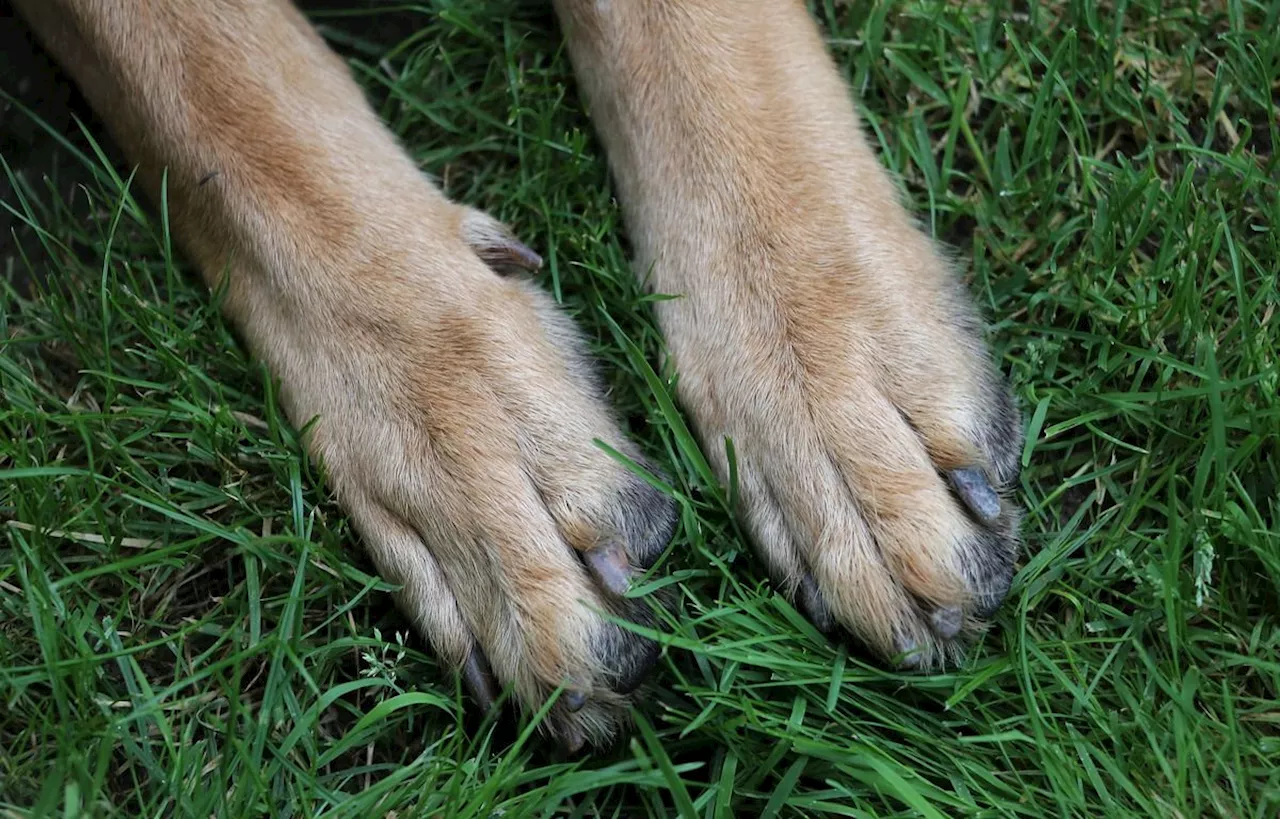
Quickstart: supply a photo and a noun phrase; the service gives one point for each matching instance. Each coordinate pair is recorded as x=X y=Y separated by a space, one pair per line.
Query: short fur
x=818 y=327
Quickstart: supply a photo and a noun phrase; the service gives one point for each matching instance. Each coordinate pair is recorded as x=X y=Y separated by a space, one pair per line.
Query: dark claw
x=947 y=622
x=911 y=658
x=814 y=606
x=571 y=738
x=478 y=679
x=971 y=484
x=510 y=254
x=610 y=566
x=496 y=246
x=505 y=253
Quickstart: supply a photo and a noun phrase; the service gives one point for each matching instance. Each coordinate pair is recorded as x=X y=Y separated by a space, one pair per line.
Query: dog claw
x=947 y=622
x=911 y=658
x=971 y=484
x=572 y=739
x=478 y=679
x=610 y=566
x=574 y=700
x=496 y=246
x=814 y=606
x=512 y=253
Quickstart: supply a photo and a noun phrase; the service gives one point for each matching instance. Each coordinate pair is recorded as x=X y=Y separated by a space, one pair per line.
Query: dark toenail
x=521 y=255
x=504 y=253
x=572 y=739
x=610 y=566
x=971 y=484
x=479 y=679
x=947 y=621
x=911 y=658
x=814 y=605
x=574 y=700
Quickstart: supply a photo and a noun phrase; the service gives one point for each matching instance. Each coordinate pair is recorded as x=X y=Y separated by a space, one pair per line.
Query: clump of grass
x=186 y=630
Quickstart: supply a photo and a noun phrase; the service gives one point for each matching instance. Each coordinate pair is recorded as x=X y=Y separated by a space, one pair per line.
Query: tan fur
x=817 y=326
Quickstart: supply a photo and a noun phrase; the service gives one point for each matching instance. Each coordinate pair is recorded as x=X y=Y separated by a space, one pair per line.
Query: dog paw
x=457 y=415
x=876 y=446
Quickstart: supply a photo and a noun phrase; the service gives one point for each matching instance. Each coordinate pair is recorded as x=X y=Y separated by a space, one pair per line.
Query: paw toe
x=627 y=657
x=989 y=568
x=647 y=519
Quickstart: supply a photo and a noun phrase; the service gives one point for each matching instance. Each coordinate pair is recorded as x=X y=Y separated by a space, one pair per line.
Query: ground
x=187 y=625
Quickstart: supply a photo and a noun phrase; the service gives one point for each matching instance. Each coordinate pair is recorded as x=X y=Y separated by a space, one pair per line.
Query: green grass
x=187 y=628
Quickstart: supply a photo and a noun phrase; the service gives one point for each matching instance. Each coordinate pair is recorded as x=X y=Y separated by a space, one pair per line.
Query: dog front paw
x=456 y=416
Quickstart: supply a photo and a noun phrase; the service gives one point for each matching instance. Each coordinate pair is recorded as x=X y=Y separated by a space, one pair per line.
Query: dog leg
x=818 y=328
x=456 y=410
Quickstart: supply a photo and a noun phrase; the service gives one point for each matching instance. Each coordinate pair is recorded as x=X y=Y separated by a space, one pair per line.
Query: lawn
x=188 y=627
